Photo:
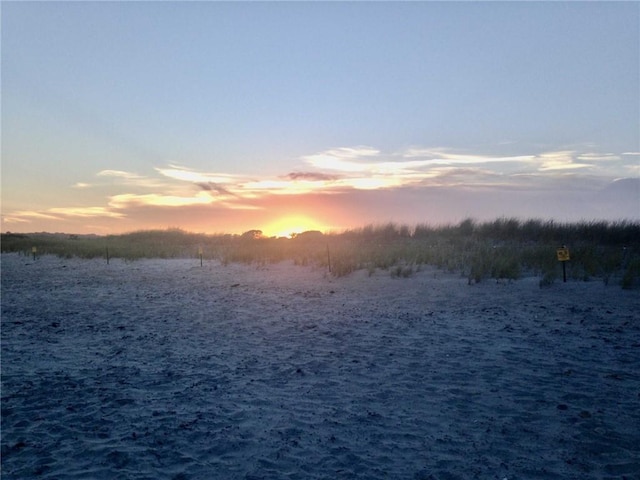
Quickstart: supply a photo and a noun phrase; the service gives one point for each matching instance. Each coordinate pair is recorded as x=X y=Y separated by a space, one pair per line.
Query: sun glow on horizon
x=287 y=226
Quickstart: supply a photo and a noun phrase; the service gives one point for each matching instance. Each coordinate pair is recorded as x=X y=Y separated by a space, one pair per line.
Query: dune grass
x=503 y=249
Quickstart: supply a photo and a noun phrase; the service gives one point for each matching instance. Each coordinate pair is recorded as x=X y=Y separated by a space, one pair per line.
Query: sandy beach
x=163 y=369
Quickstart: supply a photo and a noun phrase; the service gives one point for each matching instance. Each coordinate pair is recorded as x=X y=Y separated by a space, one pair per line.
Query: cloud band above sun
x=334 y=172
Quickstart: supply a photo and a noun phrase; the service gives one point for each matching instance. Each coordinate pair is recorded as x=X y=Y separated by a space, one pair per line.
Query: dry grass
x=503 y=249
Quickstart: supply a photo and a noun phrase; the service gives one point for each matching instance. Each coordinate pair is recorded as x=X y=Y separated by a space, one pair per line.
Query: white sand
x=162 y=369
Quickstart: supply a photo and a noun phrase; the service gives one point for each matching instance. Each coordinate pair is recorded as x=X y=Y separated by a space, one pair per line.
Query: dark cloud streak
x=214 y=187
x=312 y=176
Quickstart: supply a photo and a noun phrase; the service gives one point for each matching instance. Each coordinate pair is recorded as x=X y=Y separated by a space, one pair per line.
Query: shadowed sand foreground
x=165 y=369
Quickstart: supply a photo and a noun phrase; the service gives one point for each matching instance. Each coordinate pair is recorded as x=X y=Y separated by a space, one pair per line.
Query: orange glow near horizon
x=294 y=224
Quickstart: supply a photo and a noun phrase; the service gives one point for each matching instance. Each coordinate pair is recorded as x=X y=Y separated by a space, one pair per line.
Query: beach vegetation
x=504 y=249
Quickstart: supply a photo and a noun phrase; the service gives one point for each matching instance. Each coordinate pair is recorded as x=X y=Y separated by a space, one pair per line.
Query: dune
x=168 y=370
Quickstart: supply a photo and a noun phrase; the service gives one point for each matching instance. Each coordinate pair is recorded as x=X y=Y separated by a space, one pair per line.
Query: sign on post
x=200 y=254
x=34 y=250
x=563 y=256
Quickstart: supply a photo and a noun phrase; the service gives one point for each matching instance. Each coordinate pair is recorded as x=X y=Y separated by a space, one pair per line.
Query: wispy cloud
x=344 y=159
x=598 y=157
x=335 y=173
x=26 y=216
x=442 y=156
x=86 y=212
x=118 y=174
x=129 y=179
x=561 y=160
x=253 y=188
x=215 y=188
x=312 y=176
x=414 y=166
x=188 y=175
x=127 y=200
x=60 y=213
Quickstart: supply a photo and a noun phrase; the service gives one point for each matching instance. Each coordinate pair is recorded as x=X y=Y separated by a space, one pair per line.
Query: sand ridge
x=165 y=369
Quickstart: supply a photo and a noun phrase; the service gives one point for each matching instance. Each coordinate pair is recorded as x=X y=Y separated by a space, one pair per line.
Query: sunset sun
x=286 y=226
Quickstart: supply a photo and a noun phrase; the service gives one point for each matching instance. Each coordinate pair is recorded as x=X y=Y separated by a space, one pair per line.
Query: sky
x=221 y=117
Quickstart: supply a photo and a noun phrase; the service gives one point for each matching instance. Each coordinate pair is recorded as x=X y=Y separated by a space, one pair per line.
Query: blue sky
x=215 y=116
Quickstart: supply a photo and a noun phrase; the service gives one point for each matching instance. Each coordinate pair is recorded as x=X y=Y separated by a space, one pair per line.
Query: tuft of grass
x=401 y=271
x=548 y=279
x=631 y=275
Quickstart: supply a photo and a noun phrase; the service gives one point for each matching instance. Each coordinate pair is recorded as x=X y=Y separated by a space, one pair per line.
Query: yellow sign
x=34 y=249
x=563 y=254
x=199 y=250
